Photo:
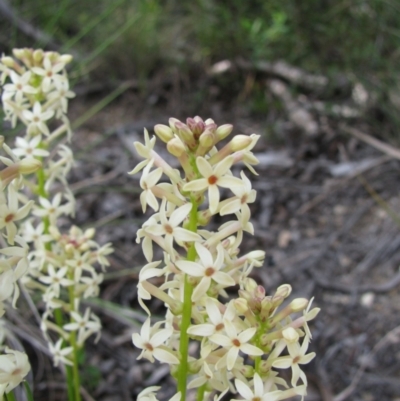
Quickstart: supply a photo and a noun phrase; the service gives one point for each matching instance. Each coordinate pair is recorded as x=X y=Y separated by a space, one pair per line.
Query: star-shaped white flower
x=259 y=394
x=56 y=279
x=297 y=356
x=86 y=325
x=207 y=269
x=37 y=119
x=29 y=148
x=243 y=195
x=144 y=151
x=147 y=181
x=151 y=343
x=60 y=95
x=20 y=86
x=169 y=228
x=216 y=318
x=59 y=353
x=213 y=177
x=234 y=343
x=51 y=209
x=50 y=73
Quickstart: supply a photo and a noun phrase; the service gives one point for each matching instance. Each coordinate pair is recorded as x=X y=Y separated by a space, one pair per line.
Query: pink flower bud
x=172 y=121
x=196 y=125
x=259 y=292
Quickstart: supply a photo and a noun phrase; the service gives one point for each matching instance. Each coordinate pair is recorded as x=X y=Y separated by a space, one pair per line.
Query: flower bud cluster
x=241 y=340
x=36 y=94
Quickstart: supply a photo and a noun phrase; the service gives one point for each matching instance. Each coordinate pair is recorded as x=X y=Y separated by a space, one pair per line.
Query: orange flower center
x=212 y=179
x=219 y=326
x=9 y=217
x=168 y=229
x=149 y=347
x=209 y=271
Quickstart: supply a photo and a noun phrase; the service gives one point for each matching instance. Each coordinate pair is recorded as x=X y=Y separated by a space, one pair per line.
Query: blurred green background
x=150 y=41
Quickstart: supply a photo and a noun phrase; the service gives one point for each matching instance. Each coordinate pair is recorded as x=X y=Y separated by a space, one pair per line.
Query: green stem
x=70 y=383
x=41 y=191
x=187 y=310
x=72 y=340
x=257 y=342
x=200 y=392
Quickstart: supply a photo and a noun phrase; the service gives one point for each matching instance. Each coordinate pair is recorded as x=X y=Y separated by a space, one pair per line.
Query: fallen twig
x=376 y=143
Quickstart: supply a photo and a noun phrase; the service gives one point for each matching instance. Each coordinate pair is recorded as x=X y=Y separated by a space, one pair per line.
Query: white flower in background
x=9 y=213
x=84 y=325
x=50 y=209
x=60 y=96
x=79 y=263
x=56 y=279
x=7 y=284
x=37 y=119
x=14 y=366
x=59 y=353
x=50 y=73
x=36 y=235
x=92 y=284
x=30 y=148
x=19 y=87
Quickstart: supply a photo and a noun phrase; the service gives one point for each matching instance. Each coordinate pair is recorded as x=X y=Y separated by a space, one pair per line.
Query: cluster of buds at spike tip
x=243 y=339
x=65 y=267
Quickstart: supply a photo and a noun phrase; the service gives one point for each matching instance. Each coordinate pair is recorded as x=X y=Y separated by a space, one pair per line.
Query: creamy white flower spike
x=65 y=265
x=238 y=338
